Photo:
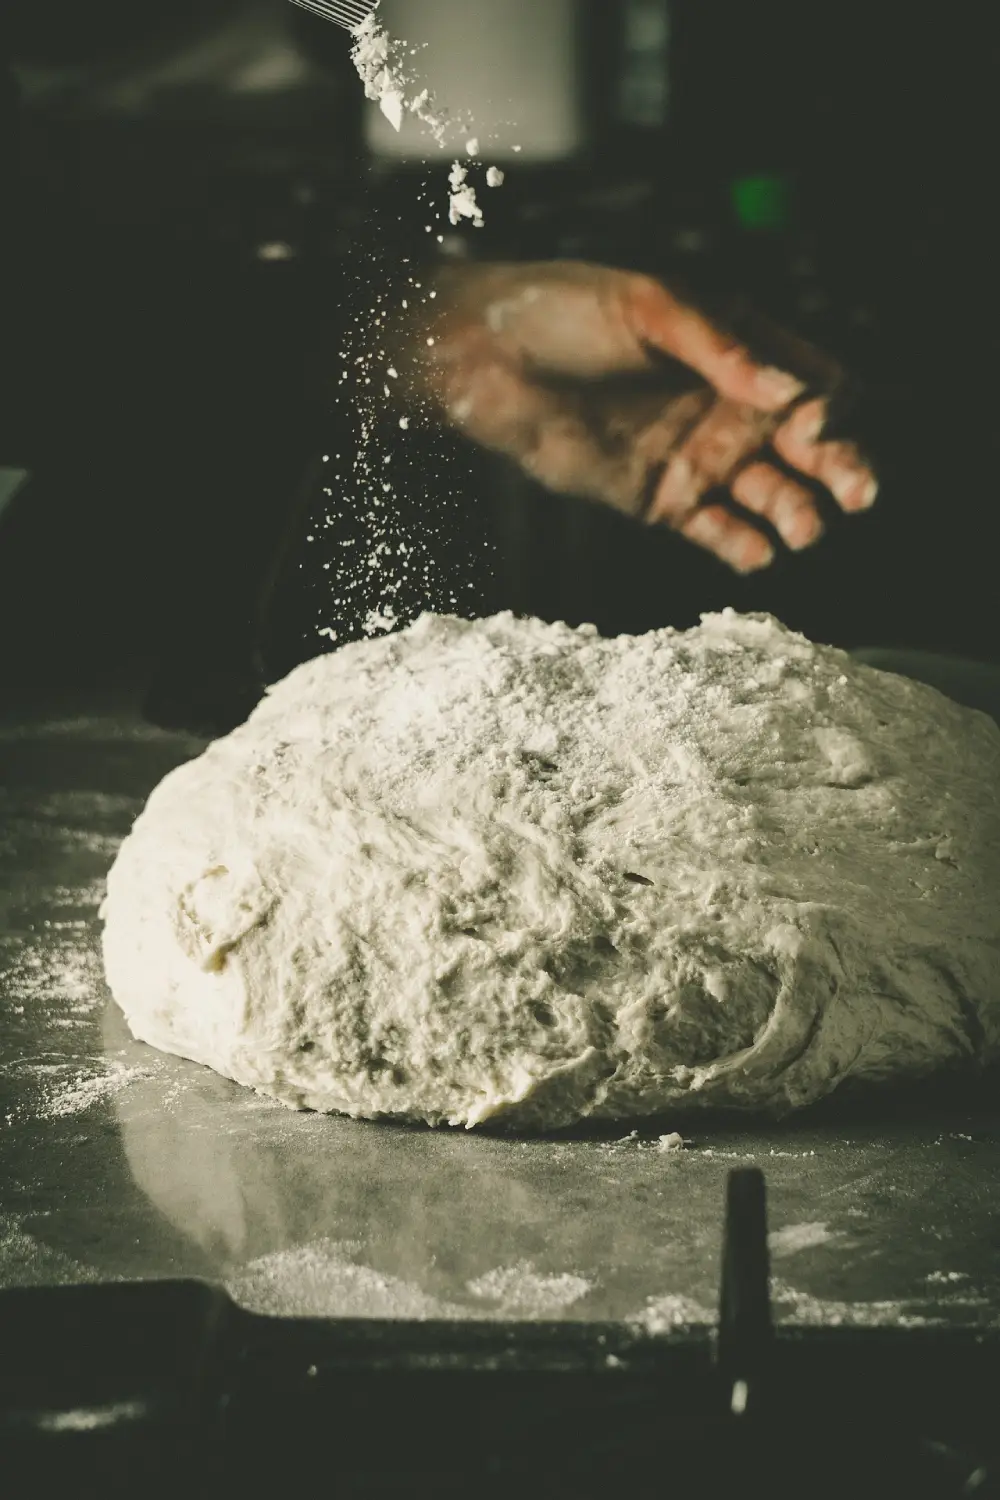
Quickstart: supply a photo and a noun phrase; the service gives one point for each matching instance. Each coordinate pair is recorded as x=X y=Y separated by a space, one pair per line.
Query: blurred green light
x=761 y=202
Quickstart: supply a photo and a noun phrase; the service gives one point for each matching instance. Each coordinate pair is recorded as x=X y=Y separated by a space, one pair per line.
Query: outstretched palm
x=602 y=383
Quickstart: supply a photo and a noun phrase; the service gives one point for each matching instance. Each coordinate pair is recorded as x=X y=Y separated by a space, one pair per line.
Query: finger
x=660 y=320
x=722 y=439
x=838 y=466
x=677 y=493
x=733 y=540
x=787 y=505
x=778 y=346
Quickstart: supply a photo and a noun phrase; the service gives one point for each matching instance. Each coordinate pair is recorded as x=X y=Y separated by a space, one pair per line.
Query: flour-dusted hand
x=604 y=384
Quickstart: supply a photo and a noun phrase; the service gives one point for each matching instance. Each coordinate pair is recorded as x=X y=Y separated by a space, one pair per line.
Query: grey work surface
x=119 y=1162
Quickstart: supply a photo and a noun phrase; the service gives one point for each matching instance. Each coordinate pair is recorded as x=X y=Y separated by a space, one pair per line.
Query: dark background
x=171 y=387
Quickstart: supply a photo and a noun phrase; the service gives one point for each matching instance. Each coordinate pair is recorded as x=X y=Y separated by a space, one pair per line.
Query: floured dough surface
x=509 y=871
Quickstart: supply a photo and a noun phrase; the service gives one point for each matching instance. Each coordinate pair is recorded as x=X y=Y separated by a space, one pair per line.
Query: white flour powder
x=503 y=870
x=322 y=1281
x=792 y=1238
x=463 y=197
x=522 y=1291
x=667 y=1313
x=58 y=1089
x=381 y=62
x=391 y=553
x=28 y=1261
x=794 y=1306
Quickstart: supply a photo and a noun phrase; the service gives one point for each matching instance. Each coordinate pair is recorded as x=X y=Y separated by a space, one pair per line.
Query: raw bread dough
x=510 y=871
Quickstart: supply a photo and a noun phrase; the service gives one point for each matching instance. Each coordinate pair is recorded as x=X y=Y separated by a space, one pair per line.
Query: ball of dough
x=515 y=872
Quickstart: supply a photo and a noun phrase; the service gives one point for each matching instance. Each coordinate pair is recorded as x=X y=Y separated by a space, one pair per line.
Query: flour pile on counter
x=513 y=872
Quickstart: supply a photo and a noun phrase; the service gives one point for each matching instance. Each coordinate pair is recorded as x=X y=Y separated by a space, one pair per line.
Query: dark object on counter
x=745 y=1333
x=168 y=1384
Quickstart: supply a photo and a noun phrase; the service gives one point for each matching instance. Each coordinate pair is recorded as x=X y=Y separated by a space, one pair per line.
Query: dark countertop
x=118 y=1162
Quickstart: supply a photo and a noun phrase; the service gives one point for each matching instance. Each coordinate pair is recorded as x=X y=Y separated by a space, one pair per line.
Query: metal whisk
x=346 y=13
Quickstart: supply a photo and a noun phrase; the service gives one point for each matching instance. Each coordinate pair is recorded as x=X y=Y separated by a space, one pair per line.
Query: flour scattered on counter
x=795 y=1237
x=672 y=1142
x=80 y=1090
x=664 y=1314
x=794 y=1306
x=26 y=1261
x=67 y=975
x=320 y=1281
x=524 y=1292
x=68 y=1089
x=84 y=897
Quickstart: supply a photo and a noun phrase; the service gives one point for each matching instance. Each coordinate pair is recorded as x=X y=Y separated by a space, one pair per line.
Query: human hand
x=603 y=384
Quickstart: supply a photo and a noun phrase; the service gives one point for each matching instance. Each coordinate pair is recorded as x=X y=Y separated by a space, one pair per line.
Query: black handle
x=745 y=1334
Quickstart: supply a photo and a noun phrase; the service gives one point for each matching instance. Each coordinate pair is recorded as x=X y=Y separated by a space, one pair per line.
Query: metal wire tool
x=347 y=13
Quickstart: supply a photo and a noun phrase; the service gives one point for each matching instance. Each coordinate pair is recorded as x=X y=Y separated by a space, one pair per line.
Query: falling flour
x=379 y=542
x=463 y=203
x=381 y=63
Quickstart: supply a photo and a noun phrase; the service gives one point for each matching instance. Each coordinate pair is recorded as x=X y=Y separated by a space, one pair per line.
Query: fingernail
x=760 y=558
x=811 y=429
x=673 y=494
x=778 y=386
x=808 y=536
x=852 y=493
x=844 y=488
